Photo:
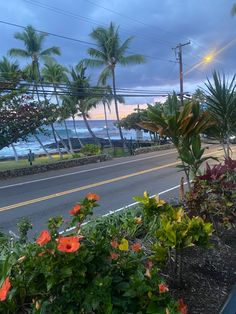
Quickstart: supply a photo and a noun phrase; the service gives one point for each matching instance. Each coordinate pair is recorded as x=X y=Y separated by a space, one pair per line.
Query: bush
x=91 y=270
x=90 y=149
x=77 y=155
x=213 y=195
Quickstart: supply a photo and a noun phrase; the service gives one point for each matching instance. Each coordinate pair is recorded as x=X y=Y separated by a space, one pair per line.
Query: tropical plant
x=10 y=73
x=183 y=127
x=110 y=52
x=33 y=43
x=172 y=231
x=221 y=104
x=55 y=74
x=83 y=96
x=213 y=195
x=69 y=109
x=89 y=272
x=106 y=100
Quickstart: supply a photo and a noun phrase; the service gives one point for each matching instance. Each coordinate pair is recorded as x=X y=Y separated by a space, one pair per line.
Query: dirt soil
x=208 y=275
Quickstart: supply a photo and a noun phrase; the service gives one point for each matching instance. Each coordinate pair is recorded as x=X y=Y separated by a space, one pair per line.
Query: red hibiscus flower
x=93 y=197
x=44 y=238
x=4 y=289
x=163 y=288
x=182 y=307
x=68 y=244
x=136 y=247
x=75 y=210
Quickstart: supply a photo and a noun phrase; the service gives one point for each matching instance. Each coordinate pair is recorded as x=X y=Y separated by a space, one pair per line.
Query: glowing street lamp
x=208 y=58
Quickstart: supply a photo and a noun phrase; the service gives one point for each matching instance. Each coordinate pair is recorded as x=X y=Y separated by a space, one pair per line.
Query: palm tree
x=69 y=107
x=33 y=43
x=10 y=71
x=55 y=73
x=106 y=101
x=80 y=90
x=111 y=51
x=221 y=104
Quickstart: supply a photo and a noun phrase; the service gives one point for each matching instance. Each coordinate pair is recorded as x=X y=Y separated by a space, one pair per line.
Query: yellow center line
x=89 y=186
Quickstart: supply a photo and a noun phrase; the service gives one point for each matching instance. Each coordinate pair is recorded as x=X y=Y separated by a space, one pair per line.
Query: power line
x=98 y=23
x=80 y=94
x=74 y=39
x=130 y=18
x=24 y=83
x=88 y=20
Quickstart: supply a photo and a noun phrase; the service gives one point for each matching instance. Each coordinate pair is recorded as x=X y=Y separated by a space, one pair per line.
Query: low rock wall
x=143 y=150
x=53 y=166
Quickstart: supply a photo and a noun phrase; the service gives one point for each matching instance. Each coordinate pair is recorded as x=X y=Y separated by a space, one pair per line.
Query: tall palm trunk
x=15 y=152
x=45 y=98
x=62 y=141
x=89 y=129
x=116 y=104
x=80 y=142
x=43 y=147
x=107 y=130
x=56 y=141
x=68 y=137
x=66 y=128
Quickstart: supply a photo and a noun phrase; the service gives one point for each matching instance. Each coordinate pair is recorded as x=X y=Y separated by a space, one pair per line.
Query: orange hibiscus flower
x=163 y=288
x=114 y=244
x=114 y=256
x=44 y=238
x=136 y=247
x=68 y=244
x=93 y=197
x=182 y=307
x=74 y=211
x=4 y=289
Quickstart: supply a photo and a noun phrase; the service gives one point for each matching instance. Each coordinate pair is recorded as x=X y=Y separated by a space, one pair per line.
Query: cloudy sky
x=157 y=27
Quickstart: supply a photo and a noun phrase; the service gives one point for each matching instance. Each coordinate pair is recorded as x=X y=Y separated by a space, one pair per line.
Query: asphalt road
x=41 y=196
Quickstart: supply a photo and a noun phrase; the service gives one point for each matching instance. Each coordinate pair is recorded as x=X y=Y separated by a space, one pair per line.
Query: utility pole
x=178 y=54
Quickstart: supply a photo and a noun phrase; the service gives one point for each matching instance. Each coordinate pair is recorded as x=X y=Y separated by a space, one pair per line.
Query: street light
x=208 y=58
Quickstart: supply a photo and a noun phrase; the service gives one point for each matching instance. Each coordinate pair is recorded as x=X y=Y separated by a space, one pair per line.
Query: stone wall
x=53 y=166
x=143 y=150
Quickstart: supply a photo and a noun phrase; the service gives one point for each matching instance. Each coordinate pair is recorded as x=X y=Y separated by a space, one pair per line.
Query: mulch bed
x=208 y=275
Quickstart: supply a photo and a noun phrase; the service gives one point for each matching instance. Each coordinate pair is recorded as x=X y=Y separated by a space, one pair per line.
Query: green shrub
x=77 y=155
x=90 y=149
x=87 y=271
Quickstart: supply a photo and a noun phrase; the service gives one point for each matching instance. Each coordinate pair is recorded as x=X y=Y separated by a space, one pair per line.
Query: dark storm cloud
x=163 y=24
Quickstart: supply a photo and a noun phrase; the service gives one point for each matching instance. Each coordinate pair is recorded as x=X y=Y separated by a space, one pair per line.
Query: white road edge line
x=123 y=208
x=82 y=171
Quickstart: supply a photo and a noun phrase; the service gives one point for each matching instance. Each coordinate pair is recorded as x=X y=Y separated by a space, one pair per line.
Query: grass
x=22 y=163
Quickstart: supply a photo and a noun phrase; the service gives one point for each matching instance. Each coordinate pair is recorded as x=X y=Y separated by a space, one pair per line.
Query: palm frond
x=17 y=52
x=51 y=51
x=94 y=63
x=133 y=59
x=125 y=45
x=104 y=76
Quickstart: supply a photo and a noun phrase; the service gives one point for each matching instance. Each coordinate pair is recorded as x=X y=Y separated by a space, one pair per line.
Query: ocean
x=98 y=127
